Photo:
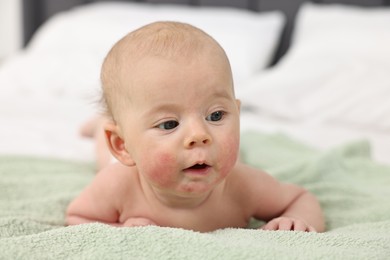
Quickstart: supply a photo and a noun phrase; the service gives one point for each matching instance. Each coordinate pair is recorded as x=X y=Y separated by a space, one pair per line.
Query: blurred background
x=321 y=78
x=10 y=27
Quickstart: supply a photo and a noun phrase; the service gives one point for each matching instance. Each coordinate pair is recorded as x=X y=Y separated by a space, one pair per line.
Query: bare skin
x=127 y=200
x=94 y=128
x=176 y=140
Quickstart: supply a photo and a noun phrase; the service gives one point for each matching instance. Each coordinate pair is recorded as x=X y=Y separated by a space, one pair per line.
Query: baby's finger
x=268 y=226
x=286 y=224
x=138 y=222
x=272 y=225
x=300 y=226
x=311 y=229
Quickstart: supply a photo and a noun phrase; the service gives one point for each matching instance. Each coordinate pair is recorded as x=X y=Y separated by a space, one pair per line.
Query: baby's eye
x=215 y=116
x=168 y=125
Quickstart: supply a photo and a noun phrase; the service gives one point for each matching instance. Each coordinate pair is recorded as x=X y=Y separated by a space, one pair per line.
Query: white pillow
x=342 y=30
x=250 y=39
x=336 y=70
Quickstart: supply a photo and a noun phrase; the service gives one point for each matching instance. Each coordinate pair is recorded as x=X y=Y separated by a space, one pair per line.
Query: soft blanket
x=352 y=189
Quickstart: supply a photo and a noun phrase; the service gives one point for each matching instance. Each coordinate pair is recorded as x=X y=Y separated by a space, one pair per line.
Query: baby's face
x=182 y=124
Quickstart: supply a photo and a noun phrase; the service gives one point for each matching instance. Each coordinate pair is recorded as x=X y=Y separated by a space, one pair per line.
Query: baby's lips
x=198 y=166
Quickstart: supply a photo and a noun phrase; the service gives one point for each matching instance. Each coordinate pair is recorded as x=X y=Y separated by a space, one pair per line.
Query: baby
x=174 y=128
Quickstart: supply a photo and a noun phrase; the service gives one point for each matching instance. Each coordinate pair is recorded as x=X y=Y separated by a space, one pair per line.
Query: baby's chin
x=198 y=188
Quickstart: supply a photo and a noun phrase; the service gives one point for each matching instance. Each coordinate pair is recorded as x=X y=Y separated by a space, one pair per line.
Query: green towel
x=353 y=190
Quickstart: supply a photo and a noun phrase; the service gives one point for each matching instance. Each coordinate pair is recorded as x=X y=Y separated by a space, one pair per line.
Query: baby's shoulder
x=242 y=171
x=117 y=177
x=249 y=177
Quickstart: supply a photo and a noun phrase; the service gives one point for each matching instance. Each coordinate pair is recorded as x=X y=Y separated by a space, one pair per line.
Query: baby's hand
x=138 y=222
x=286 y=223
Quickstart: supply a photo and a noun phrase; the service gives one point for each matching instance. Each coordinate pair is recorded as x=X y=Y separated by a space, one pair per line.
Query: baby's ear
x=116 y=144
x=238 y=102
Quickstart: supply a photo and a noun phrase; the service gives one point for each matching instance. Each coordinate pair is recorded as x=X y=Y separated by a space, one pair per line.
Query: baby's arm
x=101 y=200
x=283 y=206
x=300 y=211
x=96 y=203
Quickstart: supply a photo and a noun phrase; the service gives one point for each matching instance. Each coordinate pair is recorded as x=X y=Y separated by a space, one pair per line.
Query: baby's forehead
x=167 y=40
x=184 y=53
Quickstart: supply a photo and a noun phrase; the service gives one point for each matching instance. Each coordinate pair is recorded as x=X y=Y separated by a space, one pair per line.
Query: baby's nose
x=197 y=137
x=198 y=141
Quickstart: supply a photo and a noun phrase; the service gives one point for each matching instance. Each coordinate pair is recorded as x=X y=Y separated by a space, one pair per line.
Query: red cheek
x=165 y=158
x=161 y=169
x=231 y=149
x=230 y=156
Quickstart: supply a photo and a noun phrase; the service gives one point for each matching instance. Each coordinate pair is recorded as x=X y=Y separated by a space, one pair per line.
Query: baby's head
x=174 y=41
x=169 y=90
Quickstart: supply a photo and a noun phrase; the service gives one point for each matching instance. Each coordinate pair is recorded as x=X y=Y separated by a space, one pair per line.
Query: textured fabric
x=352 y=189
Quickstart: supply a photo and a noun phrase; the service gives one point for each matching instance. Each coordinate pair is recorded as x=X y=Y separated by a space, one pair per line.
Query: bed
x=313 y=80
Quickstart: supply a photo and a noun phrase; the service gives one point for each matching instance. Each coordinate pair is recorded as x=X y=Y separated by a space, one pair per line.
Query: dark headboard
x=35 y=12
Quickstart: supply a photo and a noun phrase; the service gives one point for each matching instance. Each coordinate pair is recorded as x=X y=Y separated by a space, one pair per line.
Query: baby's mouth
x=198 y=168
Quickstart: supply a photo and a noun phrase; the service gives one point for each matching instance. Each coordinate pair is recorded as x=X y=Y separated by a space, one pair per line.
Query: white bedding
x=49 y=89
x=318 y=95
x=333 y=86
x=39 y=113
